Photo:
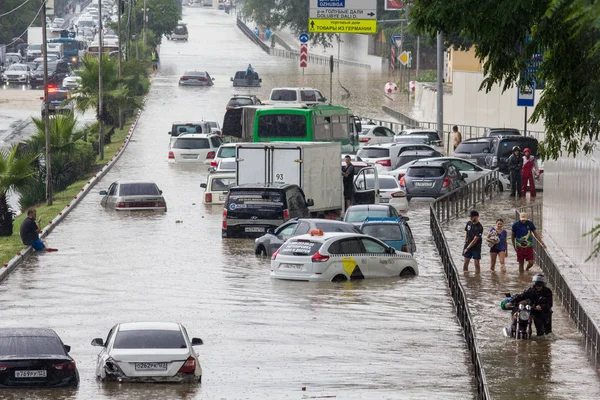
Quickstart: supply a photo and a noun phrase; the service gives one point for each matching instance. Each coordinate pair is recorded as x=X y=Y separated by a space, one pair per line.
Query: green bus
x=294 y=123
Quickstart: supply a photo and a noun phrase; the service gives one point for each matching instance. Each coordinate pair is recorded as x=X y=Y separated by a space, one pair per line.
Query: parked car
x=57 y=71
x=148 y=352
x=473 y=171
x=268 y=244
x=433 y=136
x=375 y=134
x=194 y=148
x=207 y=3
x=394 y=232
x=386 y=156
x=196 y=78
x=406 y=158
x=501 y=149
x=57 y=103
x=390 y=191
x=215 y=127
x=475 y=150
x=431 y=179
x=226 y=150
x=253 y=208
x=224 y=165
x=241 y=80
x=217 y=186
x=339 y=257
x=17 y=73
x=185 y=127
x=240 y=100
x=72 y=81
x=133 y=196
x=539 y=182
x=359 y=213
x=296 y=95
x=493 y=132
x=179 y=33
x=35 y=357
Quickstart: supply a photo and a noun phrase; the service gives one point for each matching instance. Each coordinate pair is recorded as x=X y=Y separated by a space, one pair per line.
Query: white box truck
x=314 y=166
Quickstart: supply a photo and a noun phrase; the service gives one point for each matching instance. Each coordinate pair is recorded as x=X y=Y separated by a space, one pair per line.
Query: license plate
x=150 y=366
x=423 y=184
x=223 y=197
x=189 y=156
x=31 y=374
x=382 y=200
x=254 y=229
x=295 y=267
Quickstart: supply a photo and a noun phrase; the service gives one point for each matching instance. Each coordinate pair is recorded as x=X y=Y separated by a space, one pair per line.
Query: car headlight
x=74 y=59
x=24 y=76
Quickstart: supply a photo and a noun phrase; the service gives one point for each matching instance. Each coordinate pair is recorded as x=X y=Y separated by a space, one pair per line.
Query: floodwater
x=264 y=339
x=553 y=367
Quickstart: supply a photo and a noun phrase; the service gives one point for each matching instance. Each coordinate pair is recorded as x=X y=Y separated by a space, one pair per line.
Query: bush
x=427 y=76
x=33 y=193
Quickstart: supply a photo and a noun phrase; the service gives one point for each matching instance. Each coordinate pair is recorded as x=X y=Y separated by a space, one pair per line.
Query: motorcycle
x=521 y=321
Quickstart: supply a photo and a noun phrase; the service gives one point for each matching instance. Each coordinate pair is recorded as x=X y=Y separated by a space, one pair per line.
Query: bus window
x=282 y=126
x=322 y=128
x=340 y=129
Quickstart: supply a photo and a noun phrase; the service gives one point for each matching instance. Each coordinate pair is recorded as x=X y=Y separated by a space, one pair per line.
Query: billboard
x=391 y=5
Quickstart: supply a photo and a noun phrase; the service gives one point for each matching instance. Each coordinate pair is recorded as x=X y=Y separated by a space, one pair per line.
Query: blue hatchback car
x=395 y=232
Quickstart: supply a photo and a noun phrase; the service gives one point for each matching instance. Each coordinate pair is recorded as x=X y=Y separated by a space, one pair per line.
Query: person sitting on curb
x=30 y=230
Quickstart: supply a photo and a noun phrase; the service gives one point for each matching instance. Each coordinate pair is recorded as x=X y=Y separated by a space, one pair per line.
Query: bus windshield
x=282 y=126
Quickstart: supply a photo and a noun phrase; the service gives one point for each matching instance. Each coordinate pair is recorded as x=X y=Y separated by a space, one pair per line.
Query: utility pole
x=440 y=84
x=120 y=2
x=145 y=18
x=100 y=105
x=418 y=54
x=128 y=51
x=46 y=108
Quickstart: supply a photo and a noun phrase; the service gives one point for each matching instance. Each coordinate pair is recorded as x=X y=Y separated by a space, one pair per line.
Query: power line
x=31 y=23
x=14 y=9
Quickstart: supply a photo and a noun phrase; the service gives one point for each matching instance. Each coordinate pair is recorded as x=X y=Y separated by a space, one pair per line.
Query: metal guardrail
x=315 y=59
x=248 y=32
x=465 y=198
x=570 y=301
x=460 y=301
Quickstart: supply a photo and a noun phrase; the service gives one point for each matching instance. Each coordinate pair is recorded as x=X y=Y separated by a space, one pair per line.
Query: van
x=296 y=95
x=501 y=149
x=251 y=209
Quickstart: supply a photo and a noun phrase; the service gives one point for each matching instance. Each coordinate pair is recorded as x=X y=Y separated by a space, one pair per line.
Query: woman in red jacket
x=529 y=171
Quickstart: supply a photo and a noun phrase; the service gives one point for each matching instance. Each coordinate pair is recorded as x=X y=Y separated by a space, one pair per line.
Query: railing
x=568 y=299
x=315 y=58
x=248 y=32
x=465 y=198
x=535 y=214
x=460 y=301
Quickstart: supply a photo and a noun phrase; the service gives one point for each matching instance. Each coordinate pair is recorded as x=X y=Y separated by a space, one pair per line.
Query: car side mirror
x=465 y=176
x=67 y=348
x=203 y=185
x=160 y=191
x=310 y=202
x=98 y=342
x=270 y=231
x=103 y=192
x=260 y=80
x=197 y=342
x=213 y=79
x=324 y=99
x=392 y=250
x=168 y=133
x=211 y=169
x=231 y=79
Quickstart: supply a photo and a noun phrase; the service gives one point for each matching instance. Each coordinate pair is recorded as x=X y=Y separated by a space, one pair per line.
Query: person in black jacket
x=515 y=165
x=540 y=299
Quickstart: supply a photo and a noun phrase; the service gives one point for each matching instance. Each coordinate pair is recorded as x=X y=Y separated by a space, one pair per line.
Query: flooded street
x=264 y=339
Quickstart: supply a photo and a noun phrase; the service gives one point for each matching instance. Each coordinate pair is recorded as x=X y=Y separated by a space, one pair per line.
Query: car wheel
x=223 y=234
x=261 y=251
x=339 y=278
x=408 y=271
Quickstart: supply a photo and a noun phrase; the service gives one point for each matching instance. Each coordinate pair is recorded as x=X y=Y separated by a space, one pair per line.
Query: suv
x=432 y=136
x=180 y=128
x=501 y=149
x=240 y=100
x=57 y=71
x=179 y=33
x=386 y=156
x=56 y=103
x=475 y=150
x=431 y=179
x=252 y=209
x=493 y=132
x=296 y=95
x=194 y=148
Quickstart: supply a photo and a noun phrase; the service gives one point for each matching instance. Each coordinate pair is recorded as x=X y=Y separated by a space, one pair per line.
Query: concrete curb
x=27 y=251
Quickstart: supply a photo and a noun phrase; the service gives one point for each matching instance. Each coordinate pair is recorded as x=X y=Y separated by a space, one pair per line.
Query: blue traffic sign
x=303 y=38
x=525 y=95
x=396 y=37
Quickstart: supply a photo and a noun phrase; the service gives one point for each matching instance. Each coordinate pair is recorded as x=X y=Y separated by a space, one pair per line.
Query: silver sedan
x=133 y=196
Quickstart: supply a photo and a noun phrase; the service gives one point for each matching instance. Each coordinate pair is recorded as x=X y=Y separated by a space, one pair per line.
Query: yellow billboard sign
x=342 y=25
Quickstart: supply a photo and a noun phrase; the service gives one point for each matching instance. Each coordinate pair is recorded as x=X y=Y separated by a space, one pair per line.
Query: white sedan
x=473 y=171
x=148 y=352
x=339 y=257
x=390 y=191
x=375 y=134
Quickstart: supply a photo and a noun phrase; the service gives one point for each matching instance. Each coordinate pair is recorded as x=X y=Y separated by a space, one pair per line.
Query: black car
x=57 y=71
x=35 y=357
x=493 y=132
x=252 y=209
x=431 y=179
x=240 y=100
x=502 y=147
x=475 y=150
x=267 y=244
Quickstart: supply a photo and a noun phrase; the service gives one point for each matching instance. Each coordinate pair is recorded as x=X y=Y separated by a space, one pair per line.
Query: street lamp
x=46 y=107
x=145 y=21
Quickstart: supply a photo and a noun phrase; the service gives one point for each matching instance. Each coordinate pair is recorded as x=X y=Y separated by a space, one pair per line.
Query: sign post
x=343 y=16
x=303 y=51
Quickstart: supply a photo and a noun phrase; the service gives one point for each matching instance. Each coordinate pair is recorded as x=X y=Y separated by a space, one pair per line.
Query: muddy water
x=556 y=367
x=264 y=339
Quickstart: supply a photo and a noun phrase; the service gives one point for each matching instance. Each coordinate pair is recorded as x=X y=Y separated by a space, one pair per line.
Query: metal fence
x=315 y=58
x=248 y=32
x=466 y=197
x=460 y=301
x=568 y=299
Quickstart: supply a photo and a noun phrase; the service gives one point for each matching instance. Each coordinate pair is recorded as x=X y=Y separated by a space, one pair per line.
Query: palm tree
x=15 y=170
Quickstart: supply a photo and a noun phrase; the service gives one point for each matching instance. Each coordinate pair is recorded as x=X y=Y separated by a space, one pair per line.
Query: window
x=300 y=247
x=112 y=190
x=472 y=147
x=149 y=339
x=191 y=143
x=373 y=247
x=465 y=166
x=284 y=95
x=239 y=102
x=138 y=189
x=216 y=141
x=379 y=132
x=226 y=152
x=333 y=227
x=30 y=346
x=286 y=230
x=340 y=130
x=303 y=228
x=383 y=231
x=282 y=126
x=361 y=215
x=221 y=184
x=425 y=172
x=308 y=95
x=346 y=246
x=322 y=128
x=373 y=153
x=388 y=132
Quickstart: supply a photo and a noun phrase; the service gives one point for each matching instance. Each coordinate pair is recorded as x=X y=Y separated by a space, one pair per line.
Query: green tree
x=163 y=16
x=15 y=171
x=15 y=23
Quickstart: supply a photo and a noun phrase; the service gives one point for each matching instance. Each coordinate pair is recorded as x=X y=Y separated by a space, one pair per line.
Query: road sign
x=404 y=58
x=303 y=38
x=303 y=55
x=525 y=96
x=396 y=39
x=343 y=16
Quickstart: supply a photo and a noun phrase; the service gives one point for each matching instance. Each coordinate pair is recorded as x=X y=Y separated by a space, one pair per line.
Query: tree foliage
x=163 y=16
x=566 y=31
x=15 y=23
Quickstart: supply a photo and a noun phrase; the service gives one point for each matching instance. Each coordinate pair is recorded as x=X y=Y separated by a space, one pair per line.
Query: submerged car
x=196 y=78
x=339 y=257
x=133 y=196
x=432 y=179
x=35 y=357
x=195 y=148
x=57 y=103
x=148 y=352
x=241 y=80
x=394 y=232
x=179 y=33
x=217 y=187
x=357 y=214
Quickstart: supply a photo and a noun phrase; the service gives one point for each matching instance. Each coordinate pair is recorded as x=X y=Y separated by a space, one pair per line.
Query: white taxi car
x=148 y=352
x=338 y=257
